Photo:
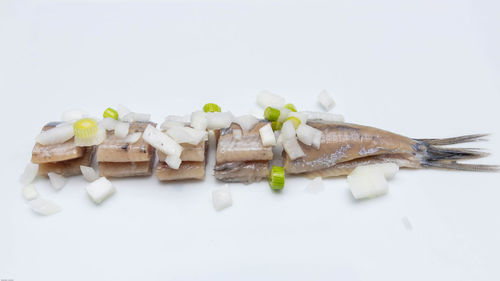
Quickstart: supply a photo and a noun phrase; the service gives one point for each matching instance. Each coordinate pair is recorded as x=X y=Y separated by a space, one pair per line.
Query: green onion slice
x=211 y=107
x=271 y=113
x=295 y=121
x=291 y=107
x=276 y=125
x=110 y=113
x=277 y=178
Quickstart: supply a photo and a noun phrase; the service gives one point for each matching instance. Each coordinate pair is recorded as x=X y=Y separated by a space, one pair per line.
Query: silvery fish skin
x=245 y=172
x=345 y=146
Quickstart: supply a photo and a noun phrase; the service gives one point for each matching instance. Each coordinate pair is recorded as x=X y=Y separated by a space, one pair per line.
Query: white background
x=419 y=68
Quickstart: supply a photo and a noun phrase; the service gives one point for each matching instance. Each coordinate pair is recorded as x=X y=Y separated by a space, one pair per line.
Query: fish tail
x=432 y=155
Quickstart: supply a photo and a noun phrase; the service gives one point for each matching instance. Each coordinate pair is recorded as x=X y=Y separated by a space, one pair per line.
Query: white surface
x=420 y=68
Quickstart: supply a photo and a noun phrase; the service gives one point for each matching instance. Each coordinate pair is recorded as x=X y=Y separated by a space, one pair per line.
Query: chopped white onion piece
x=122 y=111
x=246 y=122
x=219 y=120
x=265 y=99
x=108 y=123
x=177 y=118
x=161 y=141
x=292 y=148
x=389 y=170
x=89 y=173
x=257 y=113
x=133 y=138
x=57 y=181
x=136 y=117
x=367 y=184
x=324 y=117
x=55 y=135
x=199 y=120
x=284 y=113
x=309 y=135
x=237 y=134
x=29 y=174
x=221 y=198
x=44 y=207
x=315 y=186
x=267 y=135
x=100 y=189
x=287 y=130
x=186 y=135
x=29 y=192
x=121 y=129
x=299 y=115
x=326 y=100
x=95 y=140
x=73 y=115
x=173 y=161
x=170 y=124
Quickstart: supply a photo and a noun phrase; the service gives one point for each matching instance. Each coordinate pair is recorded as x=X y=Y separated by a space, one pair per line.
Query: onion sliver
x=44 y=207
x=133 y=138
x=292 y=148
x=100 y=189
x=89 y=173
x=173 y=161
x=161 y=141
x=57 y=181
x=29 y=174
x=309 y=135
x=56 y=135
x=267 y=135
x=246 y=122
x=108 y=123
x=186 y=135
x=29 y=192
x=199 y=120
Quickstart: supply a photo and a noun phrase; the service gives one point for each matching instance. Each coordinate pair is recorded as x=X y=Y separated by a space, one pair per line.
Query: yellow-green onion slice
x=291 y=107
x=276 y=125
x=271 y=113
x=211 y=107
x=110 y=113
x=85 y=128
x=277 y=178
x=295 y=121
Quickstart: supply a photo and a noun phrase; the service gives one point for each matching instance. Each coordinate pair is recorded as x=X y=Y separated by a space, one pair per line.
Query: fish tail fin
x=432 y=155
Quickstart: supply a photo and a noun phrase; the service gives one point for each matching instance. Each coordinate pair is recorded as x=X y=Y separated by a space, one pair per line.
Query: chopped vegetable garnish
x=267 y=135
x=277 y=178
x=271 y=113
x=44 y=207
x=296 y=121
x=110 y=113
x=85 y=128
x=211 y=107
x=291 y=107
x=100 y=189
x=276 y=125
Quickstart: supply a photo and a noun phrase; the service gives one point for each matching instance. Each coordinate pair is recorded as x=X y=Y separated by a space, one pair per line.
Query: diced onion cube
x=246 y=122
x=170 y=124
x=284 y=113
x=221 y=198
x=199 y=120
x=389 y=170
x=133 y=138
x=108 y=123
x=265 y=99
x=44 y=207
x=267 y=135
x=57 y=181
x=326 y=100
x=288 y=130
x=55 y=135
x=186 y=135
x=309 y=135
x=100 y=189
x=121 y=129
x=29 y=174
x=218 y=120
x=173 y=161
x=29 y=192
x=136 y=117
x=161 y=141
x=89 y=173
x=122 y=111
x=367 y=184
x=292 y=148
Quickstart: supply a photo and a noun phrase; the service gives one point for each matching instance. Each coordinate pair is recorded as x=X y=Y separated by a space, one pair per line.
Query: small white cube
x=267 y=135
x=367 y=184
x=100 y=189
x=29 y=192
x=326 y=101
x=57 y=180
